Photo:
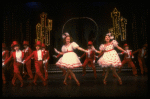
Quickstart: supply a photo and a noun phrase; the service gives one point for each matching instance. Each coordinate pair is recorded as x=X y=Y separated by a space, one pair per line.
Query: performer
x=10 y=67
x=5 y=56
x=90 y=59
x=27 y=51
x=45 y=57
x=17 y=55
x=141 y=55
x=38 y=61
x=127 y=59
x=63 y=70
x=69 y=59
x=110 y=58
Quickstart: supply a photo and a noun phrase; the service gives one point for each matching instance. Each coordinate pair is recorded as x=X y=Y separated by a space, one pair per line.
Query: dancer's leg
x=107 y=72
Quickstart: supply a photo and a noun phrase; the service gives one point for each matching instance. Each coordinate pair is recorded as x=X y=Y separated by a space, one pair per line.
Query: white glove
x=125 y=52
x=93 y=61
x=45 y=61
x=119 y=53
x=55 y=56
x=23 y=62
x=3 y=64
x=87 y=51
x=96 y=56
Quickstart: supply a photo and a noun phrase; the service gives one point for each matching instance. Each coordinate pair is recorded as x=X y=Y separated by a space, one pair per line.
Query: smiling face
x=67 y=40
x=107 y=38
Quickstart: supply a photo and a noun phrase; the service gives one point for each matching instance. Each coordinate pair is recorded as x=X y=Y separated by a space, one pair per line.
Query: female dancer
x=69 y=59
x=110 y=58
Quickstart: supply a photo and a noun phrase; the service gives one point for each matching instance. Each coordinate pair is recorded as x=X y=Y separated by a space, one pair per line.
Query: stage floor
x=89 y=86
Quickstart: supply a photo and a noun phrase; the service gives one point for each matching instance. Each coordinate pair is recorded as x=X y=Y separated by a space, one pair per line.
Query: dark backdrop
x=20 y=19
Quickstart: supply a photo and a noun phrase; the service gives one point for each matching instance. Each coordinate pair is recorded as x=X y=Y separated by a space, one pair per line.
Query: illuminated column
x=38 y=32
x=123 y=22
x=43 y=31
x=47 y=35
x=115 y=15
x=43 y=16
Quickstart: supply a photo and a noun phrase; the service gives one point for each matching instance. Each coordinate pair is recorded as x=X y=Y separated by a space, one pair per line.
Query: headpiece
x=64 y=35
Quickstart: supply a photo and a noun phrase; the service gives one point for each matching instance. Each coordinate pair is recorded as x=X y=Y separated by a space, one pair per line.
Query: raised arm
x=120 y=48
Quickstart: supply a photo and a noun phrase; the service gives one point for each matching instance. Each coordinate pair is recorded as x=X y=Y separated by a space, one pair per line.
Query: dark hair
x=109 y=36
x=64 y=40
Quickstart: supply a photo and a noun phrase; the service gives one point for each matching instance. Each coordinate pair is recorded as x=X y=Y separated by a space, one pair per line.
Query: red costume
x=27 y=52
x=127 y=59
x=45 y=56
x=90 y=57
x=141 y=54
x=5 y=56
x=12 y=61
x=16 y=65
x=38 y=63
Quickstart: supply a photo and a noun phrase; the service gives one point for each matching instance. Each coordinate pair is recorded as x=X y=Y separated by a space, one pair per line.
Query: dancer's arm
x=61 y=53
x=120 y=48
x=81 y=49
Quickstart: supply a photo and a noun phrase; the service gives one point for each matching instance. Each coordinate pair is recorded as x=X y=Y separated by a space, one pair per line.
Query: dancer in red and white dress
x=69 y=59
x=110 y=58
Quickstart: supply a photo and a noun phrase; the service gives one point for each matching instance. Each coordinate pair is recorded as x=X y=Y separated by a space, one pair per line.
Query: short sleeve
x=115 y=43
x=101 y=47
x=63 y=49
x=74 y=45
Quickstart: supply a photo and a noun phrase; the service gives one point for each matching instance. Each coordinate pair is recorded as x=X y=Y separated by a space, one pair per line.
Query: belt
x=109 y=50
x=68 y=51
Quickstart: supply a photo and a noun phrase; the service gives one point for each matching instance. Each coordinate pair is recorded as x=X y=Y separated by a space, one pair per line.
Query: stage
x=89 y=86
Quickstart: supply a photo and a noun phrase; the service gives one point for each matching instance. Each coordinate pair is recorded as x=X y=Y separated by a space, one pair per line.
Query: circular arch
x=82 y=18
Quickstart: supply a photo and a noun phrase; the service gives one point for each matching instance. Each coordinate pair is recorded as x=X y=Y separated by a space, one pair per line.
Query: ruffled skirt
x=110 y=58
x=69 y=60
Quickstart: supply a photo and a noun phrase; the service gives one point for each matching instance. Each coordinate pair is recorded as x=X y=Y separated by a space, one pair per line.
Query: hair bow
x=64 y=35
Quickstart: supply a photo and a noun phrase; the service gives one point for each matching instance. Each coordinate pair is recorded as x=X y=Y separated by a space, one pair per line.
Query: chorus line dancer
x=127 y=59
x=110 y=58
x=90 y=59
x=17 y=55
x=142 y=53
x=27 y=51
x=38 y=62
x=5 y=56
x=46 y=57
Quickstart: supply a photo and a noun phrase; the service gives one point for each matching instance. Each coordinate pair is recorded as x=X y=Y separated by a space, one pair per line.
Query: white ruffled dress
x=110 y=56
x=69 y=58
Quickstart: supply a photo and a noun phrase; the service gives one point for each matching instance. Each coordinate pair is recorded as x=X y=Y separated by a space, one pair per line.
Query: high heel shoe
x=104 y=82
x=64 y=83
x=120 y=81
x=78 y=83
